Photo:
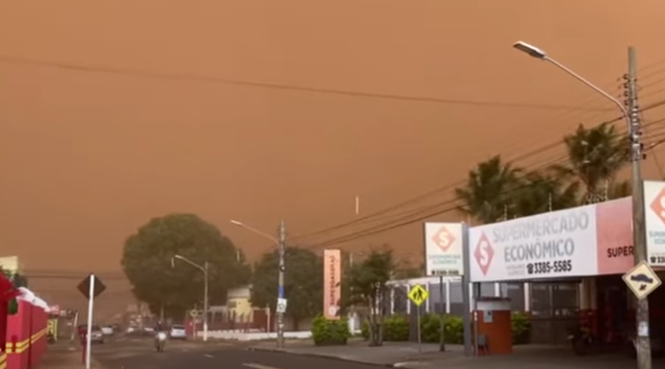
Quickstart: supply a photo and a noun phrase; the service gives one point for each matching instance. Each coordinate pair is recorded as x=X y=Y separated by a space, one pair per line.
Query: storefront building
x=564 y=267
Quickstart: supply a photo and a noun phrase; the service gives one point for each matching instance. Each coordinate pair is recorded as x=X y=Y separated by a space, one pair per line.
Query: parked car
x=107 y=330
x=178 y=332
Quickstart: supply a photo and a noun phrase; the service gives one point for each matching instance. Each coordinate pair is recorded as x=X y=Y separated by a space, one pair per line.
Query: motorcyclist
x=159 y=328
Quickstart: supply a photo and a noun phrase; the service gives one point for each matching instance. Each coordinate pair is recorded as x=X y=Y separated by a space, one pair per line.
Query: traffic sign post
x=281 y=305
x=90 y=287
x=642 y=280
x=418 y=295
x=195 y=322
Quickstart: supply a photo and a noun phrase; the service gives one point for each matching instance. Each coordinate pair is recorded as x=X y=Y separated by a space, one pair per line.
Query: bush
x=521 y=327
x=364 y=330
x=430 y=328
x=330 y=332
x=395 y=328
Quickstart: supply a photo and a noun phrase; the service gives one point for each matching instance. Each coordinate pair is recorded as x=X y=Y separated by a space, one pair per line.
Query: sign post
x=642 y=280
x=418 y=295
x=195 y=322
x=281 y=305
x=90 y=287
x=444 y=256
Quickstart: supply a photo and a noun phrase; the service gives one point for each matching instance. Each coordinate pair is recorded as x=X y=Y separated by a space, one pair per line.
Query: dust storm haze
x=89 y=154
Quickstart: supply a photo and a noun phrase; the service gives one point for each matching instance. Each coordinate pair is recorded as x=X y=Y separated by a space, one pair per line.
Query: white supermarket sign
x=555 y=244
x=654 y=211
x=443 y=249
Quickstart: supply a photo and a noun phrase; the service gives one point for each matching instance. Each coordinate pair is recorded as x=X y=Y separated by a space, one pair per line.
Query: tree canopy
x=303 y=283
x=496 y=190
x=364 y=285
x=148 y=255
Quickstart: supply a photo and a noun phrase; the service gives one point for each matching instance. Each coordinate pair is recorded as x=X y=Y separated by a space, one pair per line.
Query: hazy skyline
x=89 y=156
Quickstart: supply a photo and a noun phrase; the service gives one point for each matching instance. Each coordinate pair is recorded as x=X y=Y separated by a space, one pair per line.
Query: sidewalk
x=64 y=356
x=388 y=355
x=405 y=355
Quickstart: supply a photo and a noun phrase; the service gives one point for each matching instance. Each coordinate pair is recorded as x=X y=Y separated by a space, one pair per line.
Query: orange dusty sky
x=86 y=156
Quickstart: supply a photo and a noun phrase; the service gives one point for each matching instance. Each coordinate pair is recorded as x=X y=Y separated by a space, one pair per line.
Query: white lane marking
x=258 y=366
x=209 y=356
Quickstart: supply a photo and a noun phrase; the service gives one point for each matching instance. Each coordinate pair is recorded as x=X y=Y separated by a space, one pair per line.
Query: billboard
x=549 y=245
x=443 y=249
x=332 y=277
x=654 y=218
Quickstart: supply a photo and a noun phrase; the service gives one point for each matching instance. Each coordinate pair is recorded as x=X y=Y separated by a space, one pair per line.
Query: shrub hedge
x=330 y=332
x=397 y=328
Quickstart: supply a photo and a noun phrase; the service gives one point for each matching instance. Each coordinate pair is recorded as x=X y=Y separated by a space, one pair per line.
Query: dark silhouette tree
x=303 y=283
x=147 y=262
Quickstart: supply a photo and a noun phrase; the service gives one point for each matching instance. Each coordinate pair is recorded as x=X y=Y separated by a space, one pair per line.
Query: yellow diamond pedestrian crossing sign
x=418 y=294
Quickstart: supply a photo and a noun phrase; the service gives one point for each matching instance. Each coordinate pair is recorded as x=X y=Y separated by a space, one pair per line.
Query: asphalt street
x=140 y=354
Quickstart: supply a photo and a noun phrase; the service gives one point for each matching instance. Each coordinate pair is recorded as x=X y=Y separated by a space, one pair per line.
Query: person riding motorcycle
x=159 y=327
x=159 y=330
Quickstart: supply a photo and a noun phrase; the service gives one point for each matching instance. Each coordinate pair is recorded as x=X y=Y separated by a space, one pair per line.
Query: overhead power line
x=428 y=211
x=82 y=67
x=418 y=215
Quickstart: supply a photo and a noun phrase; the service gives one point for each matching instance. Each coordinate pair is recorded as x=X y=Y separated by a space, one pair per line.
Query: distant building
x=238 y=304
x=11 y=265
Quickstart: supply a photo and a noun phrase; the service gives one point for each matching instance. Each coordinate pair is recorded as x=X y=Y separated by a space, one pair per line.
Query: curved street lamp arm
x=591 y=85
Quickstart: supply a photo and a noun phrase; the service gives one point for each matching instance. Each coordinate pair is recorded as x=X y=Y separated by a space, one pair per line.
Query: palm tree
x=488 y=190
x=596 y=155
x=544 y=192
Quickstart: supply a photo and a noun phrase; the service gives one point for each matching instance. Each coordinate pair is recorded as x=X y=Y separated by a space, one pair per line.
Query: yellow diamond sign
x=418 y=294
x=642 y=280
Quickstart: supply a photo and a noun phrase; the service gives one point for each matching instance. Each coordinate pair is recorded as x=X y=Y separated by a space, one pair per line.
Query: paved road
x=139 y=354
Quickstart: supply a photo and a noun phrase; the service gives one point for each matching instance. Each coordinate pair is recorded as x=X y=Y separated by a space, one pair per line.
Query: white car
x=96 y=335
x=178 y=332
x=107 y=330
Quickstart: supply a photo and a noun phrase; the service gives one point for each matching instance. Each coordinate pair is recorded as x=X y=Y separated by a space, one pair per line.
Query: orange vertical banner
x=332 y=276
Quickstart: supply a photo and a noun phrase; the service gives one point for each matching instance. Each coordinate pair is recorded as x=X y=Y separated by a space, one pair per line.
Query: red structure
x=24 y=331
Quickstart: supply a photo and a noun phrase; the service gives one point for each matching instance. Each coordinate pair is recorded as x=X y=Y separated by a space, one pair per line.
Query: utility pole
x=642 y=340
x=206 y=267
x=280 y=282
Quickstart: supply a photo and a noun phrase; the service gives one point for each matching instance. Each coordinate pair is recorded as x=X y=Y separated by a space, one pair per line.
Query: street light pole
x=632 y=117
x=206 y=306
x=281 y=250
x=204 y=269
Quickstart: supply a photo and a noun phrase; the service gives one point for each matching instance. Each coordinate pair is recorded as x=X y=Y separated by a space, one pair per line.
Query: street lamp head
x=530 y=49
x=236 y=223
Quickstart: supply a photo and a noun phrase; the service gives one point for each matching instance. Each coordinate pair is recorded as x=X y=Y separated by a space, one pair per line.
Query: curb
x=326 y=356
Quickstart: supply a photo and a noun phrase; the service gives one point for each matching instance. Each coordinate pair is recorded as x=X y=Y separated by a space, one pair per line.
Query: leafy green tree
x=404 y=269
x=596 y=155
x=148 y=256
x=365 y=285
x=489 y=189
x=303 y=283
